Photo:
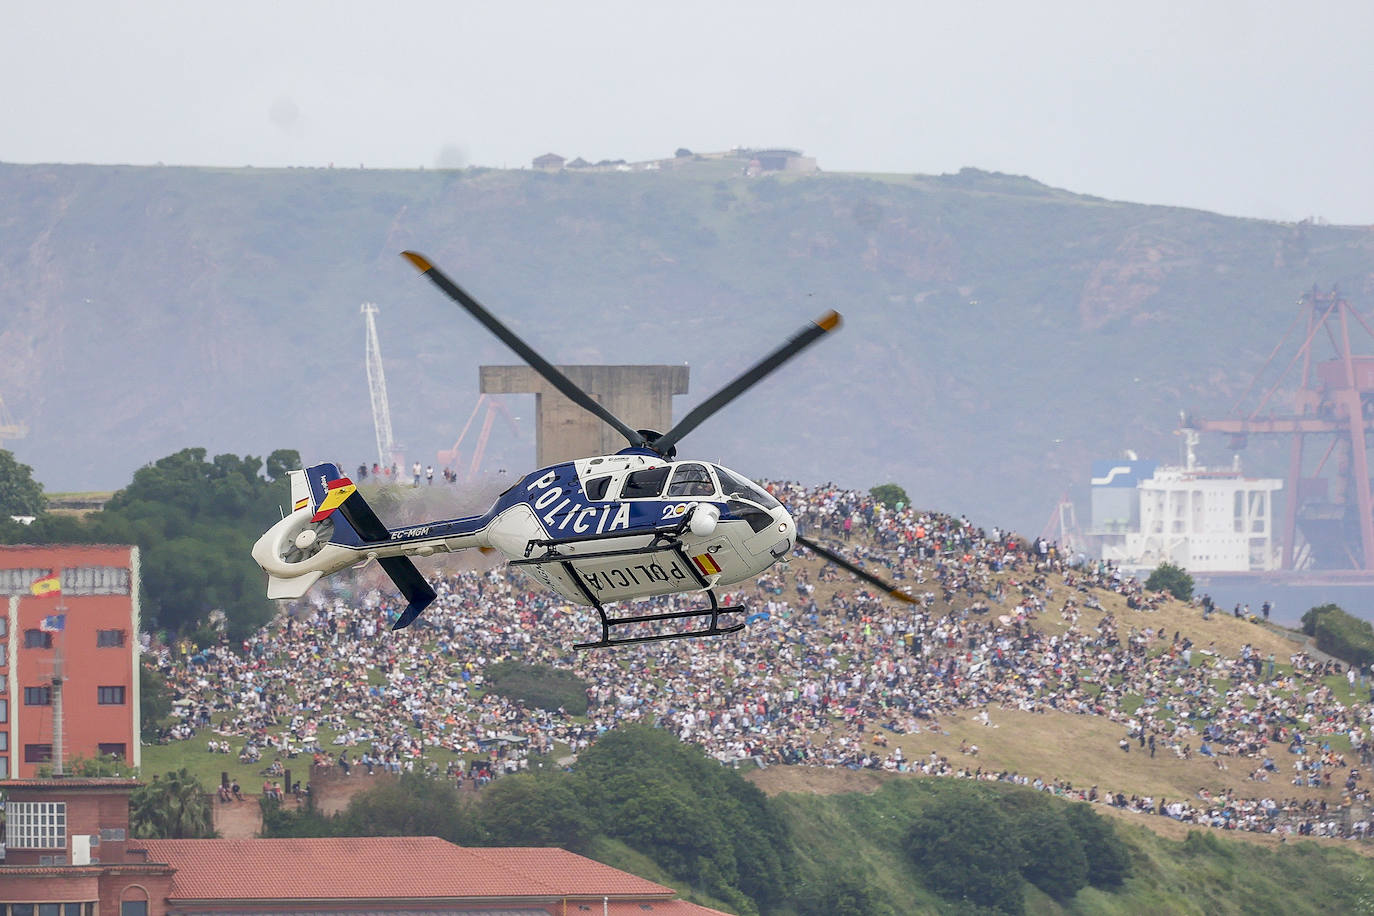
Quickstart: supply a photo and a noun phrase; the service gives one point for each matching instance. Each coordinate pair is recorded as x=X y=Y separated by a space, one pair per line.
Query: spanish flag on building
x=51 y=584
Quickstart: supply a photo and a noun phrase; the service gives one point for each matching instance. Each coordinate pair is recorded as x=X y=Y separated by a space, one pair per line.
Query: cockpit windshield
x=737 y=486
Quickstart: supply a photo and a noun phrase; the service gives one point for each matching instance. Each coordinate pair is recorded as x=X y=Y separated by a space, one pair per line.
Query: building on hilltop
x=549 y=161
x=72 y=614
x=70 y=854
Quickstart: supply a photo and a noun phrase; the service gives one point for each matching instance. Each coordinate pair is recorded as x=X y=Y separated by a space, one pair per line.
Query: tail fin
x=359 y=526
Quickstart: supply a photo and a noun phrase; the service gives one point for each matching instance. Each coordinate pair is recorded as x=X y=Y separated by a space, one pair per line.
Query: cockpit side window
x=596 y=487
x=691 y=480
x=735 y=485
x=644 y=484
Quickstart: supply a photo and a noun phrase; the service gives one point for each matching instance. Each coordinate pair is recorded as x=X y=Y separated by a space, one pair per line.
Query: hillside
x=1000 y=333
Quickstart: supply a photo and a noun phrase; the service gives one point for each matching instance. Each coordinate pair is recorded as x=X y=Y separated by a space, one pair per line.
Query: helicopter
x=598 y=531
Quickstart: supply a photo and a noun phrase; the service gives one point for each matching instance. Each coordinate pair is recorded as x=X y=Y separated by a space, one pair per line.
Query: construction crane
x=1329 y=504
x=9 y=429
x=494 y=405
x=388 y=452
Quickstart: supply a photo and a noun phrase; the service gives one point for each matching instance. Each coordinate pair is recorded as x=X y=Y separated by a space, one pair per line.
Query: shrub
x=542 y=686
x=1109 y=862
x=965 y=851
x=890 y=495
x=1173 y=579
x=1338 y=633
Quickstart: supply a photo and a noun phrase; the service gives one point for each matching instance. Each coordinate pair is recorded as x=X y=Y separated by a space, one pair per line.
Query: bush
x=1338 y=633
x=1054 y=858
x=890 y=495
x=1172 y=579
x=541 y=686
x=965 y=851
x=1109 y=862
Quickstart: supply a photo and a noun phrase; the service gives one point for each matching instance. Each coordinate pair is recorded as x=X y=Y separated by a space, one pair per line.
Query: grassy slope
x=1203 y=875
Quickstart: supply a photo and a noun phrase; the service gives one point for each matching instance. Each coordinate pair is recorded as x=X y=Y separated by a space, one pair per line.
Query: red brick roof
x=573 y=875
x=372 y=868
x=71 y=782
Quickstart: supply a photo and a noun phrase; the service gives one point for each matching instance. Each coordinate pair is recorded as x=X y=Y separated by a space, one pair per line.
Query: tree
x=1173 y=579
x=1054 y=858
x=172 y=807
x=890 y=495
x=530 y=809
x=1340 y=634
x=702 y=822
x=154 y=698
x=413 y=805
x=965 y=850
x=839 y=891
x=1109 y=861
x=20 y=494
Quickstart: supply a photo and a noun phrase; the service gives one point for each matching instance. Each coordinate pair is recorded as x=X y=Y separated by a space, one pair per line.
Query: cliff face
x=999 y=334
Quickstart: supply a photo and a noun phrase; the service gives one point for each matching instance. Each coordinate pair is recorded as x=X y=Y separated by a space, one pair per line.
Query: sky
x=1257 y=109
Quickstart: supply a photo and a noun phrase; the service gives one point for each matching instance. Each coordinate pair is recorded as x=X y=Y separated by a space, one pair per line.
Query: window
x=735 y=485
x=51 y=909
x=96 y=580
x=4 y=741
x=133 y=908
x=17 y=581
x=21 y=909
x=110 y=696
x=111 y=750
x=691 y=480
x=37 y=639
x=38 y=753
x=643 y=484
x=109 y=639
x=37 y=696
x=4 y=627
x=4 y=710
x=596 y=489
x=4 y=767
x=36 y=825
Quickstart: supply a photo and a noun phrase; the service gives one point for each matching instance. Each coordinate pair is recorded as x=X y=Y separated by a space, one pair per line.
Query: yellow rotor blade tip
x=422 y=265
x=829 y=321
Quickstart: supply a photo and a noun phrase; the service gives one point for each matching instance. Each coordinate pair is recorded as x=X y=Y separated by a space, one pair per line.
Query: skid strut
x=713 y=612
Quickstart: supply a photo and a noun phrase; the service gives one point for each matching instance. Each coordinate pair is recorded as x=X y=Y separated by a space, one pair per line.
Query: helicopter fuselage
x=596 y=531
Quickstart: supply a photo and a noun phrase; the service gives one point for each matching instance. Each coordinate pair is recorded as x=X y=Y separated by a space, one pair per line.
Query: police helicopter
x=598 y=531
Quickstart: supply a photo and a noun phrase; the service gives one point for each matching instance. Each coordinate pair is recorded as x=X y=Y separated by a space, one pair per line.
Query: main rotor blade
x=523 y=350
x=859 y=571
x=794 y=345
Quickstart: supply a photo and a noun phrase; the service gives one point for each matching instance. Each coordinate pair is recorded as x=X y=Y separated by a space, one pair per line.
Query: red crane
x=1328 y=504
x=449 y=457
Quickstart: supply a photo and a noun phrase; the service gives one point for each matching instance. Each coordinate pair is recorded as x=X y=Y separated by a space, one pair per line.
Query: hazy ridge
x=1000 y=334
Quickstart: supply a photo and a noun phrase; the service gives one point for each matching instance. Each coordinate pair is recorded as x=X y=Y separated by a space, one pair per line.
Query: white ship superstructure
x=1202 y=519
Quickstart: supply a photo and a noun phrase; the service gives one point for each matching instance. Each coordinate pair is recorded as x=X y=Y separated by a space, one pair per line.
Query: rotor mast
x=388 y=452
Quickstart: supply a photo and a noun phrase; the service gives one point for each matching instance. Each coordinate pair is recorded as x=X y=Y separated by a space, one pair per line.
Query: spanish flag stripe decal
x=334 y=499
x=707 y=565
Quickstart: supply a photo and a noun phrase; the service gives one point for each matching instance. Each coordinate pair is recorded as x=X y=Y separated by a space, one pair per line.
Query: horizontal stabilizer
x=417 y=591
x=295 y=587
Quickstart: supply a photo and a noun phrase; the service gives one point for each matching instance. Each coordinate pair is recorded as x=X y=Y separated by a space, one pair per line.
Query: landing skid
x=713 y=612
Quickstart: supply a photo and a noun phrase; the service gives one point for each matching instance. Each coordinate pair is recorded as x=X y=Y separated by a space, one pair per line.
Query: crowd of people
x=826 y=673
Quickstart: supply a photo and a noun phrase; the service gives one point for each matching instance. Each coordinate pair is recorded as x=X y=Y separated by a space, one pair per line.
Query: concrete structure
x=642 y=396
x=70 y=854
x=97 y=649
